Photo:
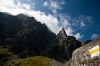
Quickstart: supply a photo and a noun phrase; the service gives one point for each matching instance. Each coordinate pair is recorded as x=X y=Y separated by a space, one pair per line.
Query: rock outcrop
x=62 y=34
x=64 y=46
x=82 y=55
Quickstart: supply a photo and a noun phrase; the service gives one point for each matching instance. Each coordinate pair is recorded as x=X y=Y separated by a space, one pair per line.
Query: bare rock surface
x=82 y=56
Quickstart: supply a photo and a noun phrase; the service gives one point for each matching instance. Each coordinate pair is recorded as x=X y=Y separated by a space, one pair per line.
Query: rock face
x=26 y=37
x=82 y=56
x=62 y=34
x=65 y=45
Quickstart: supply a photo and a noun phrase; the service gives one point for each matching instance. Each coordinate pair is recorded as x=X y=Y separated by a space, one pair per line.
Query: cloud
x=24 y=8
x=53 y=22
x=54 y=5
x=94 y=36
x=82 y=21
x=69 y=31
x=78 y=36
x=45 y=3
x=82 y=24
x=65 y=21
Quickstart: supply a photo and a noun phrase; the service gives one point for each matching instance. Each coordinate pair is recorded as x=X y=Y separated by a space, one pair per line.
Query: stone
x=82 y=56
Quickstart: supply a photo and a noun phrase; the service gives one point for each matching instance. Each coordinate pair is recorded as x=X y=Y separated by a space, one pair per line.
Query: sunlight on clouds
x=14 y=9
x=69 y=31
x=50 y=20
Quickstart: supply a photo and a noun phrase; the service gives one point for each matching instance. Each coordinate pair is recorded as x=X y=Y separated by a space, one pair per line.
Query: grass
x=32 y=61
x=4 y=51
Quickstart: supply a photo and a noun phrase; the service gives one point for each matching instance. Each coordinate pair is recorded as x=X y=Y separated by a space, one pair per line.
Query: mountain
x=65 y=45
x=26 y=41
x=25 y=37
x=21 y=16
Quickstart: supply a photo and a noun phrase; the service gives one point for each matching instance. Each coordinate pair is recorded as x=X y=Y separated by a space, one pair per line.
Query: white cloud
x=14 y=9
x=94 y=36
x=54 y=5
x=45 y=3
x=23 y=6
x=82 y=24
x=78 y=36
x=64 y=20
x=82 y=21
x=69 y=31
x=50 y=20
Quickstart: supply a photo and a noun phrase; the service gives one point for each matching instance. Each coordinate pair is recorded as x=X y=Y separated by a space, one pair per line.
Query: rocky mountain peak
x=27 y=37
x=62 y=34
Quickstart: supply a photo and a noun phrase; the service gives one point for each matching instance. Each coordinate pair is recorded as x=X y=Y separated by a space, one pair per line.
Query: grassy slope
x=3 y=54
x=32 y=61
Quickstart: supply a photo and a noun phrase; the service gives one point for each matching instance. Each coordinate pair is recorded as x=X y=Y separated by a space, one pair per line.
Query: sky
x=80 y=18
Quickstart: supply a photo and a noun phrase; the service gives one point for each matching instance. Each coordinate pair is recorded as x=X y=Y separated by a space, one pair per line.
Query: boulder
x=87 y=55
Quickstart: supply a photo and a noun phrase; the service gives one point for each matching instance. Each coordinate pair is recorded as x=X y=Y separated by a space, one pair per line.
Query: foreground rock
x=83 y=57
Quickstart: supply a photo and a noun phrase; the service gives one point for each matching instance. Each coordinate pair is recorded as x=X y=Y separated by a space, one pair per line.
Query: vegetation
x=4 y=52
x=32 y=61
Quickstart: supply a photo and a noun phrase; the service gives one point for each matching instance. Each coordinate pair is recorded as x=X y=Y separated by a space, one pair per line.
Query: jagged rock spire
x=62 y=34
x=63 y=31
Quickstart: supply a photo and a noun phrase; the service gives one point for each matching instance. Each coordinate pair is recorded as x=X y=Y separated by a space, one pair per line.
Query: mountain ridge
x=26 y=37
